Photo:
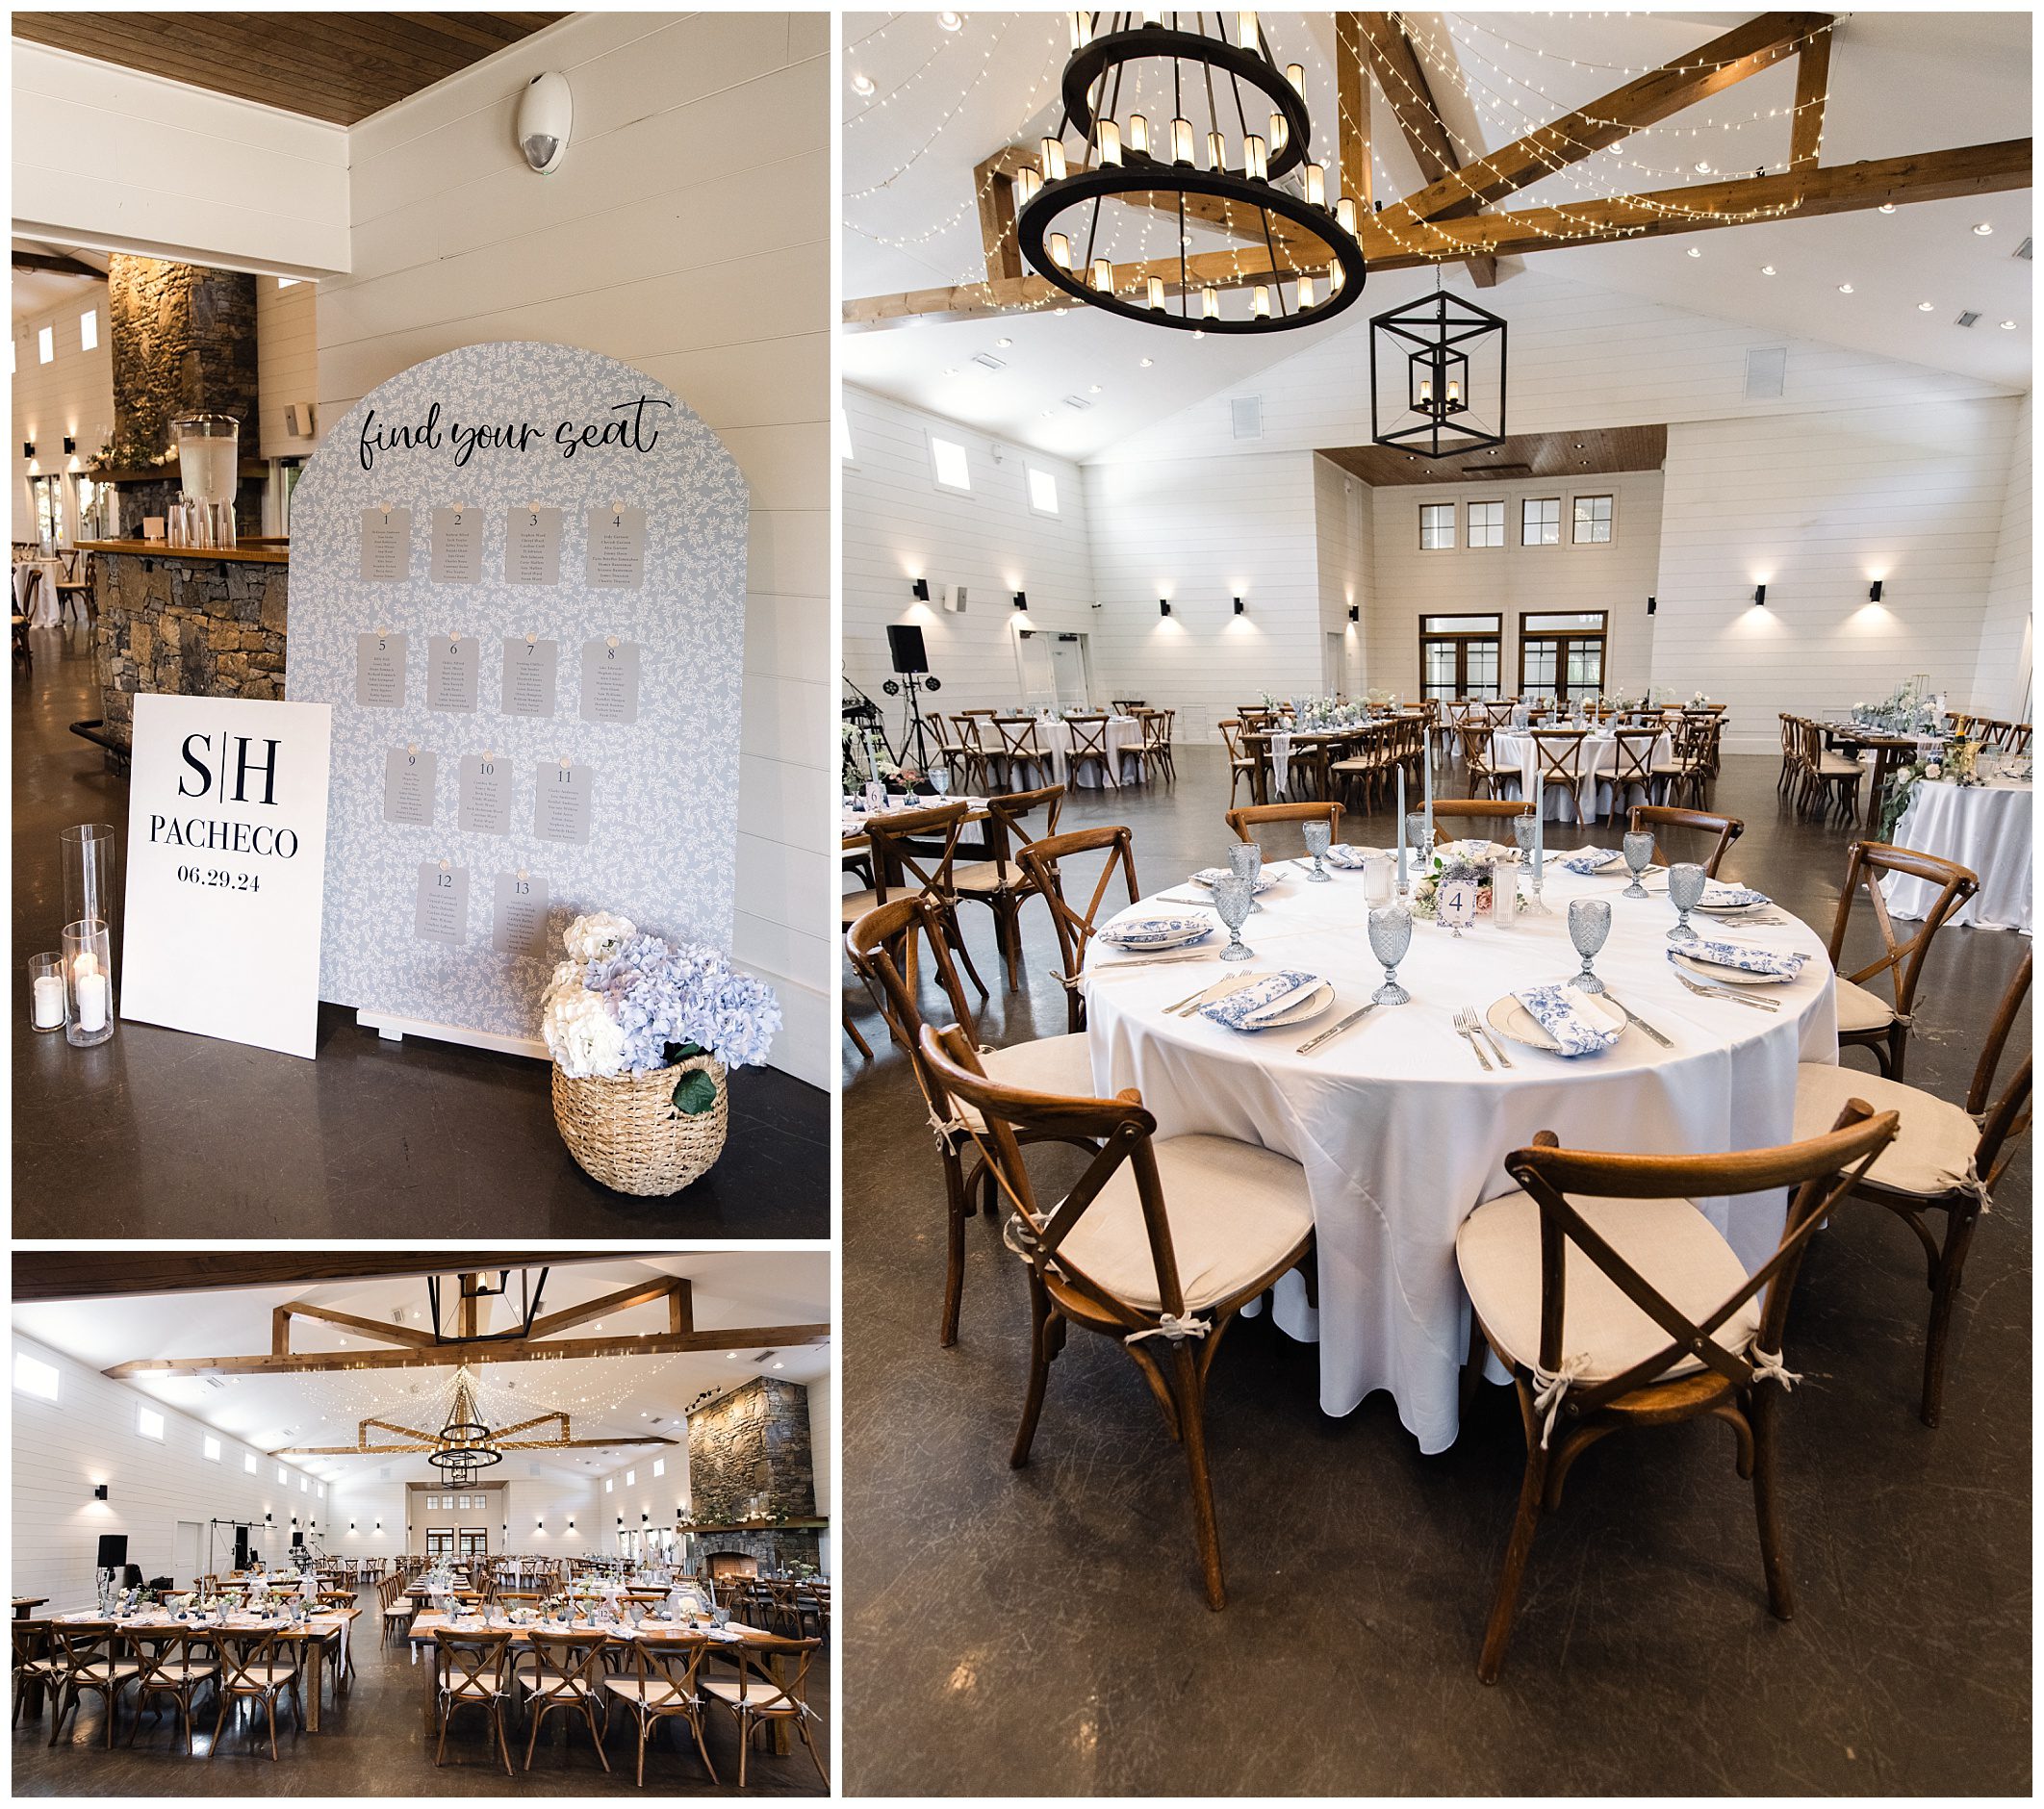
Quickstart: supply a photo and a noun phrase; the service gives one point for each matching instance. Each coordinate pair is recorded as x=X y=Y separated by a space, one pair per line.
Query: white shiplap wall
x=1816 y=506
x=1200 y=532
x=2001 y=677
x=1345 y=549
x=1617 y=575
x=687 y=232
x=73 y=394
x=88 y=1436
x=366 y=1498
x=899 y=526
x=287 y=363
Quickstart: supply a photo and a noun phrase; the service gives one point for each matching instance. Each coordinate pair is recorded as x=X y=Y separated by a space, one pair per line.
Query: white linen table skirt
x=1982 y=826
x=1124 y=737
x=35 y=595
x=1401 y=1135
x=1600 y=753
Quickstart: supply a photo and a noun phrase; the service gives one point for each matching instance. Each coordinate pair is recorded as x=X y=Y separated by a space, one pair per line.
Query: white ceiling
x=37 y=292
x=607 y=1397
x=1900 y=82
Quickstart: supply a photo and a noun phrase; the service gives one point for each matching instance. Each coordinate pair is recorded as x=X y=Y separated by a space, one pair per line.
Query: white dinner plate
x=1730 y=975
x=1509 y=1018
x=1264 y=880
x=1720 y=909
x=1133 y=933
x=1308 y=1008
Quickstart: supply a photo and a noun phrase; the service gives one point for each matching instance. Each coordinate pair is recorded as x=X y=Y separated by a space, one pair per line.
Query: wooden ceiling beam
x=1757 y=44
x=993 y=187
x=52 y=264
x=380 y=1329
x=481 y=1350
x=1396 y=67
x=1813 y=82
x=501 y=1444
x=1841 y=189
x=1352 y=105
x=640 y=1294
x=41 y=1275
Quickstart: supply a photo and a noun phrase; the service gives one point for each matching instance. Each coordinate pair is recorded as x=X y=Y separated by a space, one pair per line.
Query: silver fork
x=1483 y=1030
x=1465 y=1030
x=1703 y=991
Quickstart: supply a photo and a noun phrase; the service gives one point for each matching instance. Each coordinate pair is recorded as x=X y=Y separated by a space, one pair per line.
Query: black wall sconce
x=920 y=590
x=293 y=1519
x=28 y=448
x=69 y=444
x=269 y=1521
x=642 y=1517
x=571 y=1522
x=1874 y=591
x=99 y=1491
x=379 y=1526
x=1355 y=612
x=1651 y=605
x=1162 y=608
x=1237 y=605
x=1760 y=594
x=1021 y=600
x=620 y=1519
x=351 y=1526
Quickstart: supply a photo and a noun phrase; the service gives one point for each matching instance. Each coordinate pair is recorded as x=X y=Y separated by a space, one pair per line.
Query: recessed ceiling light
x=2008 y=326
x=951 y=371
x=1146 y=364
x=1767 y=269
x=862 y=84
x=1695 y=251
x=950 y=21
x=1887 y=207
x=1845 y=289
x=1092 y=388
x=1702 y=169
x=1924 y=307
x=1984 y=230
x=1004 y=343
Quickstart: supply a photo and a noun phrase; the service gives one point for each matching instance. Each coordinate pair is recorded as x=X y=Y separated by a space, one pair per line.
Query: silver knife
x=1638 y=1022
x=1354 y=1017
x=1220 y=989
x=1485 y=1030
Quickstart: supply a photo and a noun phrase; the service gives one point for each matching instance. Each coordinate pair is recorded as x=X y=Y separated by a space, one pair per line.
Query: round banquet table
x=1124 y=736
x=1600 y=755
x=1401 y=1133
x=42 y=604
x=1982 y=826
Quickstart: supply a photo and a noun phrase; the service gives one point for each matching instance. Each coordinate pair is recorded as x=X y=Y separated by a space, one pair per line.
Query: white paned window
x=1540 y=521
x=844 y=437
x=1593 y=519
x=1487 y=524
x=606 y=1483
x=305 y=1485
x=212 y=1448
x=89 y=329
x=947 y=465
x=1436 y=526
x=249 y=1462
x=35 y=1377
x=1042 y=490
x=320 y=1492
x=660 y=1466
x=46 y=344
x=149 y=1423
x=283 y=1476
x=631 y=1477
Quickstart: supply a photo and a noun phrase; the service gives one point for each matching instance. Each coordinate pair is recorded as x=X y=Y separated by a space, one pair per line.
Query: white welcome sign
x=227 y=868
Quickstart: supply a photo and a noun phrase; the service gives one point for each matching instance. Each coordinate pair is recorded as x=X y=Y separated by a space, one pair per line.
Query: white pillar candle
x=91 y=1001
x=49 y=1002
x=1400 y=838
x=1426 y=746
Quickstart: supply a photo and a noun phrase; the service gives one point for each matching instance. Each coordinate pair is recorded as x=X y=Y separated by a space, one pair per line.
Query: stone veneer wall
x=775 y=1548
x=749 y=1455
x=198 y=627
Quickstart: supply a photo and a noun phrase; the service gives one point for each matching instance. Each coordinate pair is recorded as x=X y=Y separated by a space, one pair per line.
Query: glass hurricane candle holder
x=46 y=991
x=88 y=983
x=89 y=855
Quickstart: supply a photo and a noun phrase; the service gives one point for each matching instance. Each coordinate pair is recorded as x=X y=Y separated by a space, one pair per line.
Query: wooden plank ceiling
x=1561 y=456
x=338 y=66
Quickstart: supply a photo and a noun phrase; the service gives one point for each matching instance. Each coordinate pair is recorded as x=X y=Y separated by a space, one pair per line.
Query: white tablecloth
x=1982 y=826
x=1124 y=735
x=48 y=610
x=1400 y=1133
x=1599 y=756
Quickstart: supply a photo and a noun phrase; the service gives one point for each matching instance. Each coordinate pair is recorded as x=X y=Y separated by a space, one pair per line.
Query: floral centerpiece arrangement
x=642 y=1032
x=864 y=755
x=1958 y=762
x=1475 y=860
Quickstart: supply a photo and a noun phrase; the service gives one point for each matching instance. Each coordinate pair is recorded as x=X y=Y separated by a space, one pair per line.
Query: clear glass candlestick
x=88 y=983
x=90 y=856
x=46 y=991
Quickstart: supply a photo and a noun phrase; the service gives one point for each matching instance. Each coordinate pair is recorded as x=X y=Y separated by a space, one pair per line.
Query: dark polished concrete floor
x=372 y=1743
x=1042 y=1630
x=157 y=1134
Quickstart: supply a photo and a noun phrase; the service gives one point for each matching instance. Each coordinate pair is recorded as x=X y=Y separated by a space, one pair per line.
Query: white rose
x=1934 y=771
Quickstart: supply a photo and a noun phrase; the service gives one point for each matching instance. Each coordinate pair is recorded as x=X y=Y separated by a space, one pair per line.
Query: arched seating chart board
x=518 y=576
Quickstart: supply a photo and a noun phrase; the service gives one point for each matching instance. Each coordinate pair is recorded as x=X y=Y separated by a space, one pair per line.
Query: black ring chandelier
x=465 y=1445
x=1186 y=173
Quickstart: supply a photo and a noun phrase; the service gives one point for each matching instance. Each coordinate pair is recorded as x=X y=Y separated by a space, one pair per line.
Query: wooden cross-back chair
x=256 y=1666
x=877 y=946
x=1000 y=883
x=2017 y=741
x=472 y=1670
x=1945 y=1162
x=567 y=1673
x=1560 y=759
x=1020 y=760
x=1249 y=821
x=1089 y=748
x=1791 y=754
x=92 y=1658
x=1155 y=755
x=36 y=1671
x=1633 y=756
x=1454 y=817
x=1630 y=1309
x=1830 y=780
x=1658 y=818
x=966 y=753
x=1042 y=861
x=900 y=866
x=1480 y=756
x=1362 y=774
x=1157 y=1245
x=663 y=1683
x=1241 y=766
x=1865 y=1019
x=756 y=1698
x=177 y=1665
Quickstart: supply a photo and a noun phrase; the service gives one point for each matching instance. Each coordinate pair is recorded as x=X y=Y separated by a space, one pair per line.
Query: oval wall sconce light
x=1760 y=594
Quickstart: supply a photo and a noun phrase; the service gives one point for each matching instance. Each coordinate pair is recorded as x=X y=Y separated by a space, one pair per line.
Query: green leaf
x=695 y=1093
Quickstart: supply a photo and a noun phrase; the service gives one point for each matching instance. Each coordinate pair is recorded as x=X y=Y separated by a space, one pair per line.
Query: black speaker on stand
x=911 y=661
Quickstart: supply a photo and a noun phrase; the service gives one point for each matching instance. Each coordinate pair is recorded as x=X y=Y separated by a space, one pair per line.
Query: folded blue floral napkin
x=1207 y=875
x=1346 y=855
x=1145 y=932
x=1249 y=1007
x=1742 y=955
x=1725 y=896
x=1590 y=859
x=1555 y=1010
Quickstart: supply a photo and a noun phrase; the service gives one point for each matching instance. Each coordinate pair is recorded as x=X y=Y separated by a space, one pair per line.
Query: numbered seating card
x=442 y=913
x=379 y=672
x=408 y=786
x=520 y=921
x=485 y=795
x=457 y=546
x=450 y=673
x=617 y=549
x=610 y=680
x=533 y=546
x=530 y=671
x=386 y=545
x=562 y=811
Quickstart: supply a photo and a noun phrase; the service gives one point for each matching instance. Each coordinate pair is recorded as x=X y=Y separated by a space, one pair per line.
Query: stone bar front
x=184 y=619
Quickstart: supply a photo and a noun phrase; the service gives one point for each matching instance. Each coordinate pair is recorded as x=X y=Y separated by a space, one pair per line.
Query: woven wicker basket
x=624 y=1132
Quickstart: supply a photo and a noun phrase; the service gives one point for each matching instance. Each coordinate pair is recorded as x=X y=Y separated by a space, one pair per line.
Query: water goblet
x=1685 y=886
x=1246 y=858
x=1317 y=836
x=1232 y=899
x=1390 y=935
x=1416 y=837
x=1638 y=845
x=1588 y=924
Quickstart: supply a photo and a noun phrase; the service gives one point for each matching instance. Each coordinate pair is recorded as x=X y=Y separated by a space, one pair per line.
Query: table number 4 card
x=532 y=546
x=617 y=549
x=610 y=680
x=520 y=921
x=386 y=545
x=442 y=913
x=561 y=813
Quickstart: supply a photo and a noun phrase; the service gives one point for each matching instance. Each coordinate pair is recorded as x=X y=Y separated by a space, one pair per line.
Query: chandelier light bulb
x=1305 y=291
x=1335 y=279
x=1245 y=30
x=1280 y=133
x=1082 y=24
x=1295 y=75
x=1181 y=140
x=1110 y=147
x=1052 y=160
x=1315 y=185
x=1154 y=286
x=1216 y=152
x=1061 y=251
x=1102 y=276
x=1152 y=15
x=1029 y=182
x=1210 y=304
x=1261 y=305
x=1255 y=166
x=1138 y=133
x=1345 y=214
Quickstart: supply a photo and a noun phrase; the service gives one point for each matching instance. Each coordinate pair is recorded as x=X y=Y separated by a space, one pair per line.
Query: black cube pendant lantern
x=1453 y=380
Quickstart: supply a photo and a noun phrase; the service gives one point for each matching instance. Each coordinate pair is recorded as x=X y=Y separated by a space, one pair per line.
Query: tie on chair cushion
x=1678 y=1251
x=1931 y=1151
x=1859 y=1010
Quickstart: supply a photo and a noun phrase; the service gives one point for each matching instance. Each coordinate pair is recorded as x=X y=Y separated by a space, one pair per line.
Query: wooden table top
x=659 y=1633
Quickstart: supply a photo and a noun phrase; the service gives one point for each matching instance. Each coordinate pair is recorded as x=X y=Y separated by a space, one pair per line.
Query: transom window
x=33 y=1376
x=249 y=1462
x=45 y=344
x=1042 y=490
x=1562 y=654
x=1540 y=521
x=89 y=329
x=947 y=466
x=149 y=1423
x=1487 y=524
x=212 y=1448
x=1436 y=526
x=1459 y=655
x=1593 y=519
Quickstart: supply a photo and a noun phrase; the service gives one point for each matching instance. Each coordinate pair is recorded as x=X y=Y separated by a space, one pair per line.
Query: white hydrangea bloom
x=598 y=936
x=582 y=1035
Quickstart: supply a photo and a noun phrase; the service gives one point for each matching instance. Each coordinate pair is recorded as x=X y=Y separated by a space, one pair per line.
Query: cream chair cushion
x=1236 y=1212
x=988 y=876
x=1936 y=1139
x=1051 y=1064
x=1678 y=1251
x=762 y=1698
x=1859 y=1010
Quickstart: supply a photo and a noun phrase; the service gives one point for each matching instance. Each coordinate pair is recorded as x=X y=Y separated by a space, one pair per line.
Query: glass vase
x=90 y=853
x=88 y=983
x=46 y=991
